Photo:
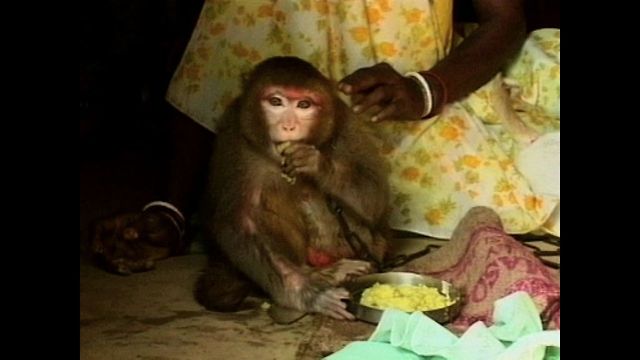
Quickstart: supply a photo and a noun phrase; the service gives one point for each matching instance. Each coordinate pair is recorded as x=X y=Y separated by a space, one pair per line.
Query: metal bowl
x=371 y=315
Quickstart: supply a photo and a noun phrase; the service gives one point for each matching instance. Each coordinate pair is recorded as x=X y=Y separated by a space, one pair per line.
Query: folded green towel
x=516 y=334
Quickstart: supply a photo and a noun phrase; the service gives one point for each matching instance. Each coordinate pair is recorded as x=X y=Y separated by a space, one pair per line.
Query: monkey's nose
x=288 y=127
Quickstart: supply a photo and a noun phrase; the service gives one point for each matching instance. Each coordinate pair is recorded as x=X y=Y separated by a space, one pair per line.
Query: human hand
x=385 y=92
x=133 y=242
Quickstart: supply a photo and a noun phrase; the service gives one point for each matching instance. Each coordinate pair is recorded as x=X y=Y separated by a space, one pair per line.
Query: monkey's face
x=291 y=113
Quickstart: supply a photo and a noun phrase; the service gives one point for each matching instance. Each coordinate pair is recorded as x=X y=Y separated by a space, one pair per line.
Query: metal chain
x=361 y=250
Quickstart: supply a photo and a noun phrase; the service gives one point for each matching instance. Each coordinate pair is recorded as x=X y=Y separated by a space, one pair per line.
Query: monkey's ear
x=251 y=121
x=230 y=116
x=342 y=110
x=335 y=114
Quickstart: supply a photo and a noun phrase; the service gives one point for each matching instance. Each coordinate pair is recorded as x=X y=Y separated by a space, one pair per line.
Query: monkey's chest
x=326 y=243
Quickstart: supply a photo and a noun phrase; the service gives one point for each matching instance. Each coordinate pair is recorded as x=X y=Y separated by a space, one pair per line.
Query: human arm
x=500 y=34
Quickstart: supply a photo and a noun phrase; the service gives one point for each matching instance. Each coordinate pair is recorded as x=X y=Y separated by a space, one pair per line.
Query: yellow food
x=280 y=148
x=289 y=179
x=404 y=297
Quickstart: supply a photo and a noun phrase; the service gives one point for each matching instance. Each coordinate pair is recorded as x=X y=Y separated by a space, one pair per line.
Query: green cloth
x=517 y=333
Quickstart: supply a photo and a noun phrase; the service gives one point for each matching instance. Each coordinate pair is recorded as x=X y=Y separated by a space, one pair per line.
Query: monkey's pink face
x=291 y=113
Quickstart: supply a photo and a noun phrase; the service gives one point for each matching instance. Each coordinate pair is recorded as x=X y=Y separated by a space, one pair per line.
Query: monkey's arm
x=350 y=171
x=356 y=186
x=261 y=232
x=353 y=183
x=289 y=285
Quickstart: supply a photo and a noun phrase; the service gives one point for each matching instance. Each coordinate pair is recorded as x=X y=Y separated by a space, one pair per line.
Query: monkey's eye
x=304 y=104
x=275 y=101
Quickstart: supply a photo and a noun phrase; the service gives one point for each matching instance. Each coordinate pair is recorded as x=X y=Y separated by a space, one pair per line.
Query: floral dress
x=440 y=167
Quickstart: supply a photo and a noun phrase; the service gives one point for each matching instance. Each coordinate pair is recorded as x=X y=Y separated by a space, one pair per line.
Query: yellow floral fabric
x=441 y=167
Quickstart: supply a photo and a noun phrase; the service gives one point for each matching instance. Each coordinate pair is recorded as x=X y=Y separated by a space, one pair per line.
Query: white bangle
x=426 y=92
x=166 y=205
x=174 y=222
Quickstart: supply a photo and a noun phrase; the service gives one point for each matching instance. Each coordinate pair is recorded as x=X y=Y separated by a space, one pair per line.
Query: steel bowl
x=372 y=315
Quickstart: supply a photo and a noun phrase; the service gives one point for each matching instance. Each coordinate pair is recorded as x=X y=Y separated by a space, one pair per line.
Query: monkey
x=287 y=149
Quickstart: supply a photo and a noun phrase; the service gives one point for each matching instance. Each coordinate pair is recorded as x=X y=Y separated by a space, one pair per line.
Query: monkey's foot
x=283 y=315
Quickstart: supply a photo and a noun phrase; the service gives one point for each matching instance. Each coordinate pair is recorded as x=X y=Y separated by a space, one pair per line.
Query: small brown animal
x=288 y=147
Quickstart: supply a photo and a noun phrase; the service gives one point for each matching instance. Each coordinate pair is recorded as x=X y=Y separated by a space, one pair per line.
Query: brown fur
x=265 y=226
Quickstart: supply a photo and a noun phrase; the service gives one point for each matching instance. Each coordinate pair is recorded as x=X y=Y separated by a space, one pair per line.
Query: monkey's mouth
x=281 y=146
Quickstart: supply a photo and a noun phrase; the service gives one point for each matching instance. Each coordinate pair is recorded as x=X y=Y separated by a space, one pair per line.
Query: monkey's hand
x=306 y=160
x=133 y=242
x=330 y=301
x=344 y=270
x=384 y=91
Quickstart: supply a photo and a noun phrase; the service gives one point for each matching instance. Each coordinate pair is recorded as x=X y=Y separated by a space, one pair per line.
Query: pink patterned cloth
x=480 y=259
x=495 y=265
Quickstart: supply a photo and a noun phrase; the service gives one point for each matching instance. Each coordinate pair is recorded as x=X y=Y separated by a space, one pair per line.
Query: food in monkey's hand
x=280 y=148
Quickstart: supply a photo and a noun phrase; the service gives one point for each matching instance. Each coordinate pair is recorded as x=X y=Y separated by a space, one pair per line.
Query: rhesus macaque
x=288 y=146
